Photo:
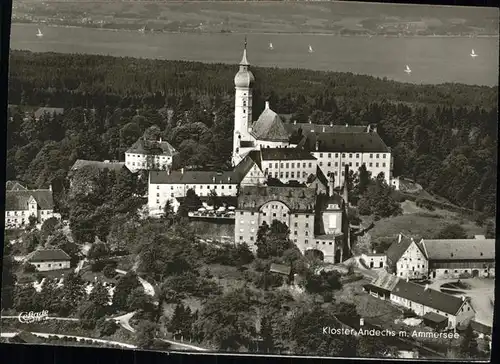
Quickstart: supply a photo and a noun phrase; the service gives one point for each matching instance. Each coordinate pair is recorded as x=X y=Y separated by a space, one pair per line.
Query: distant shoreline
x=239 y=32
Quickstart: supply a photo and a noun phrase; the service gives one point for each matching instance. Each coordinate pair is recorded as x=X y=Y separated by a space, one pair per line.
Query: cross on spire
x=244 y=61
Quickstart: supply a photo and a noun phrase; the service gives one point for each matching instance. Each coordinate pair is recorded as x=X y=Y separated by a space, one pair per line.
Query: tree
x=72 y=291
x=182 y=321
x=228 y=321
x=98 y=251
x=191 y=202
x=469 y=345
x=213 y=199
x=99 y=295
x=490 y=230
x=49 y=227
x=146 y=334
x=452 y=231
x=273 y=241
x=107 y=327
x=378 y=200
x=266 y=333
x=25 y=298
x=32 y=221
x=322 y=282
x=168 y=211
x=124 y=287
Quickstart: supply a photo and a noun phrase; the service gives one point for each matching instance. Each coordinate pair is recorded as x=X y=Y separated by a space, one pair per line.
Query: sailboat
x=473 y=54
x=39 y=34
x=271 y=46
x=310 y=49
x=142 y=30
x=408 y=70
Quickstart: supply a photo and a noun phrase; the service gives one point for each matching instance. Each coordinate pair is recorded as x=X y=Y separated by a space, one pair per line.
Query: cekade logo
x=29 y=317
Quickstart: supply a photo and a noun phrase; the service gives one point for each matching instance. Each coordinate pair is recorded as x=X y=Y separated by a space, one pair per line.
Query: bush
x=29 y=268
x=407 y=313
x=109 y=271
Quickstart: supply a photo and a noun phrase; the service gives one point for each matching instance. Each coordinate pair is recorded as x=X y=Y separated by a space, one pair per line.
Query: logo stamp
x=30 y=317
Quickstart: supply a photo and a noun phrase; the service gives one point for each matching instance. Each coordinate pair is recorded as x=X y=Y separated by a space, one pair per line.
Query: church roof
x=269 y=127
x=307 y=128
x=286 y=154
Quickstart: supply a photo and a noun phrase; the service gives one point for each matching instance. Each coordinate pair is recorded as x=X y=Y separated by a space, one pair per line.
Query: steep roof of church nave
x=344 y=143
x=307 y=128
x=298 y=199
x=269 y=127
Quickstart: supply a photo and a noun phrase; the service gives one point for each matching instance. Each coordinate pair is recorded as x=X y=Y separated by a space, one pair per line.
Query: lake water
x=433 y=60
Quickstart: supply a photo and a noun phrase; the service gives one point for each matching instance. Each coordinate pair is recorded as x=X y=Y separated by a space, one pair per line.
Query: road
x=79 y=338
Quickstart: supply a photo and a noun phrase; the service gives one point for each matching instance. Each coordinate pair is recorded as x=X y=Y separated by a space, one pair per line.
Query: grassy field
x=419 y=222
x=267 y=16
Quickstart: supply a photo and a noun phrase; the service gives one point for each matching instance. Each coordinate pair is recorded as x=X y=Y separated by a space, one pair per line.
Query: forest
x=442 y=136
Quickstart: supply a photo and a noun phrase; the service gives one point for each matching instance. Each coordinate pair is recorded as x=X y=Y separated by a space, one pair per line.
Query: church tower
x=243 y=82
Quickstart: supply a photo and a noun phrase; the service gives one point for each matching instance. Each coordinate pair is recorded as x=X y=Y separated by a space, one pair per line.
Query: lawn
x=419 y=222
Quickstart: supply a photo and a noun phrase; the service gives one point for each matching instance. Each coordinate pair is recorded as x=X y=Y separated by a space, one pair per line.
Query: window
x=296 y=215
x=336 y=155
x=274 y=214
x=49 y=265
x=310 y=165
x=350 y=155
x=241 y=213
x=157 y=187
x=293 y=165
x=376 y=164
x=383 y=155
x=157 y=201
x=295 y=225
x=357 y=155
x=350 y=164
x=371 y=164
x=336 y=164
x=321 y=155
x=241 y=237
x=307 y=233
x=306 y=241
x=320 y=164
x=383 y=164
x=264 y=214
x=343 y=155
x=281 y=165
x=171 y=195
x=287 y=165
x=377 y=155
x=329 y=164
x=357 y=164
x=286 y=174
x=292 y=174
x=295 y=232
x=371 y=155
x=307 y=224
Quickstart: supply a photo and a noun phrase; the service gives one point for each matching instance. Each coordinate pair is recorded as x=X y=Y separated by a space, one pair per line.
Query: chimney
x=267 y=105
x=407 y=279
x=374 y=251
x=426 y=287
x=331 y=183
x=229 y=179
x=463 y=298
x=369 y=128
x=295 y=122
x=160 y=139
x=182 y=170
x=331 y=124
x=399 y=238
x=213 y=179
x=317 y=145
x=361 y=321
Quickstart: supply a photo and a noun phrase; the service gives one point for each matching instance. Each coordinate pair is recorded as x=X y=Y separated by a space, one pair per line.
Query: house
x=48 y=111
x=374 y=260
x=49 y=259
x=21 y=203
x=150 y=155
x=456 y=258
x=447 y=310
x=407 y=259
x=382 y=286
x=170 y=185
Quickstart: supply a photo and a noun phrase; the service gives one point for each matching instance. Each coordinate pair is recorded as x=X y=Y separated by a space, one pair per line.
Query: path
x=79 y=338
x=188 y=346
x=123 y=320
x=148 y=287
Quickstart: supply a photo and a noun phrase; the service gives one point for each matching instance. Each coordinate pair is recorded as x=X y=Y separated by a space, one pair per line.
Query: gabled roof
x=280 y=268
x=385 y=281
x=434 y=317
x=14 y=186
x=115 y=166
x=428 y=297
x=269 y=127
x=246 y=164
x=153 y=147
x=397 y=249
x=48 y=110
x=298 y=199
x=271 y=154
x=459 y=249
x=17 y=200
x=48 y=254
x=344 y=143
x=194 y=177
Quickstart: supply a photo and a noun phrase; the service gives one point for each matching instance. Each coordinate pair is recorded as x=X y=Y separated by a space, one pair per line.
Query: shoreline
x=237 y=32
